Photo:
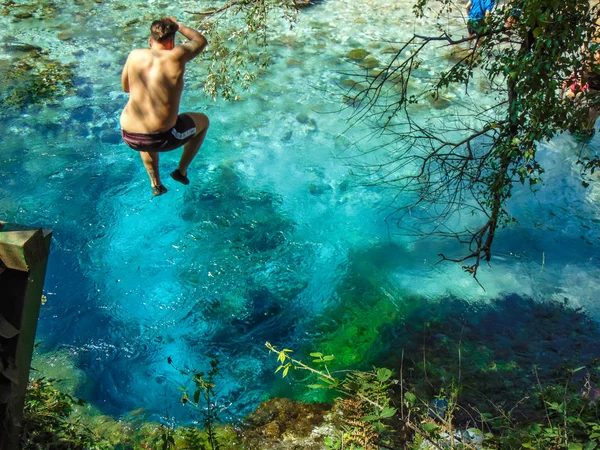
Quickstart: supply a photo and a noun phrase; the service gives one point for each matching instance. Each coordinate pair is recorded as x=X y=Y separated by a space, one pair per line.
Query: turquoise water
x=258 y=246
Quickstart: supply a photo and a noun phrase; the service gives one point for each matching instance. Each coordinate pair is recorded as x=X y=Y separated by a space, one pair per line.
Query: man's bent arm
x=196 y=44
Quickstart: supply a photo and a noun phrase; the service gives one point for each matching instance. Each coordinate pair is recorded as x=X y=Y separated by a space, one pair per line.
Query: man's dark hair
x=163 y=30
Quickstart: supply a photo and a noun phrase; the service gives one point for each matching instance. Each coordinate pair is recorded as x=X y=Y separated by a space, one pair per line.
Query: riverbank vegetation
x=510 y=375
x=374 y=409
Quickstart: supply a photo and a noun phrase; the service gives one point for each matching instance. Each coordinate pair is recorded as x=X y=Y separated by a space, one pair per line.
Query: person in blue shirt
x=478 y=10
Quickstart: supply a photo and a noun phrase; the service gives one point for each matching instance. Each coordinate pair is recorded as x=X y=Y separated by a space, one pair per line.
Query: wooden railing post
x=23 y=258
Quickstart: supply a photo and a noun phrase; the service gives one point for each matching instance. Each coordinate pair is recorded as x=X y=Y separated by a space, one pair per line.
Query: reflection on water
x=276 y=239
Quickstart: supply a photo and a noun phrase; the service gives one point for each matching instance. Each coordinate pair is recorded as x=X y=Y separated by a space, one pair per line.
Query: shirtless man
x=150 y=122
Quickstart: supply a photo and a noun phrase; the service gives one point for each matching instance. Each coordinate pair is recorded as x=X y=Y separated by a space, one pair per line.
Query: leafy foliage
x=47 y=421
x=571 y=420
x=239 y=38
x=365 y=410
x=378 y=411
x=203 y=398
x=468 y=163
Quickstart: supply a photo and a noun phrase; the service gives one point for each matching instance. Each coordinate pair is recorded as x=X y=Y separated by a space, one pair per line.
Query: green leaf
x=410 y=397
x=369 y=418
x=574 y=446
x=535 y=429
x=317 y=386
x=388 y=412
x=430 y=427
x=590 y=446
x=383 y=374
x=328 y=358
x=317 y=355
x=285 y=371
x=526 y=445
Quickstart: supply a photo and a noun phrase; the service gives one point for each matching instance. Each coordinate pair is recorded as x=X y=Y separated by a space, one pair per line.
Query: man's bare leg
x=150 y=160
x=190 y=149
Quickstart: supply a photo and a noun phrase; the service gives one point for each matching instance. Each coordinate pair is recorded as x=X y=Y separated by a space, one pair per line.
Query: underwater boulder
x=369 y=63
x=358 y=54
x=281 y=417
x=64 y=36
x=19 y=47
x=389 y=50
x=349 y=83
x=458 y=54
x=439 y=102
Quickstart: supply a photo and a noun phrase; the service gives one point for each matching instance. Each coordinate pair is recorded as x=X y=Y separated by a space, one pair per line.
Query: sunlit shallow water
x=275 y=237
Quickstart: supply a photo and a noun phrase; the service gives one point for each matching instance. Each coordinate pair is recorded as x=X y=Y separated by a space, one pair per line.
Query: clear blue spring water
x=254 y=249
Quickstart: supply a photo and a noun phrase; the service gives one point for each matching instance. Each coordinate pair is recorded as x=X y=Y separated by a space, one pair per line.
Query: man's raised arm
x=197 y=42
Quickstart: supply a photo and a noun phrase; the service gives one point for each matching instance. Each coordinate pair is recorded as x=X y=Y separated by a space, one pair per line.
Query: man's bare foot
x=178 y=176
x=158 y=190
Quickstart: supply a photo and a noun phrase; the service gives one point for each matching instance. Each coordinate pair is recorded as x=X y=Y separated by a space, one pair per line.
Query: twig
x=211 y=12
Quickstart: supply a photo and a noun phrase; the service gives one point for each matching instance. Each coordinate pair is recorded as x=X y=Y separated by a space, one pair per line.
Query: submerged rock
x=358 y=54
x=64 y=36
x=302 y=118
x=457 y=54
x=318 y=188
x=19 y=47
x=280 y=420
x=349 y=83
x=369 y=63
x=23 y=15
x=389 y=50
x=439 y=102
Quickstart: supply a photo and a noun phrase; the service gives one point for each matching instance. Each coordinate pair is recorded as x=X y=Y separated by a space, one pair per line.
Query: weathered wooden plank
x=22 y=249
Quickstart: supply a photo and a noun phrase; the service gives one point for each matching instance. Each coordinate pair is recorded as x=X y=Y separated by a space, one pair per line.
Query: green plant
x=570 y=420
x=48 y=423
x=286 y=362
x=203 y=398
x=167 y=440
x=366 y=406
x=239 y=37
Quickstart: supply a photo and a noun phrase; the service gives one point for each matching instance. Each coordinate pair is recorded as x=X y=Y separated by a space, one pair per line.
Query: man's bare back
x=150 y=122
x=155 y=80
